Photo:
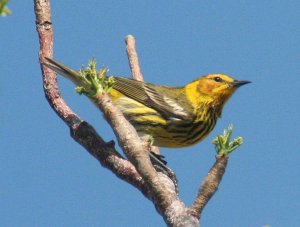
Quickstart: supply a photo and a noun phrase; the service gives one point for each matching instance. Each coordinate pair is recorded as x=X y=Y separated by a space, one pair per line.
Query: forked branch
x=138 y=169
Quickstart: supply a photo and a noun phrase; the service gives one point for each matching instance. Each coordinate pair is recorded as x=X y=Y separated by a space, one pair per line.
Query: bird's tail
x=65 y=71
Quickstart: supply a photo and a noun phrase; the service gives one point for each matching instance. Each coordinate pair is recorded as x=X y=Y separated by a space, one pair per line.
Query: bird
x=172 y=117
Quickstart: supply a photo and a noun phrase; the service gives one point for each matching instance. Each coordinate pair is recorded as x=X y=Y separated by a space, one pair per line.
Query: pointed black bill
x=238 y=83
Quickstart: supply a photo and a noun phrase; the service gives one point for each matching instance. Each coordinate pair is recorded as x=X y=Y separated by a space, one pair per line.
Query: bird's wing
x=171 y=105
x=152 y=96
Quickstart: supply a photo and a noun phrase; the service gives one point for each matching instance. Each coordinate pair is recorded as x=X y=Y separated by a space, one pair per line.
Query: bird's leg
x=158 y=161
x=154 y=153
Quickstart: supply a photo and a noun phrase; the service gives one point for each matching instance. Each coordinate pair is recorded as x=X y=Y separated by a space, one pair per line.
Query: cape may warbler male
x=171 y=116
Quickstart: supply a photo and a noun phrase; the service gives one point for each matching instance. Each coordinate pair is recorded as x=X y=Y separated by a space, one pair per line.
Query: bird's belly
x=177 y=134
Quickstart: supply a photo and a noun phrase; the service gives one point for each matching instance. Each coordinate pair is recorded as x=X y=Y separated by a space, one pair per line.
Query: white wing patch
x=150 y=93
x=177 y=108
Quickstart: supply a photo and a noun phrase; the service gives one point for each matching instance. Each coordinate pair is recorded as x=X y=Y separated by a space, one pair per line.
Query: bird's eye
x=217 y=79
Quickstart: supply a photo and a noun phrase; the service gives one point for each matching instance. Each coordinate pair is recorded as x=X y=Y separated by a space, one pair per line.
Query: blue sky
x=49 y=180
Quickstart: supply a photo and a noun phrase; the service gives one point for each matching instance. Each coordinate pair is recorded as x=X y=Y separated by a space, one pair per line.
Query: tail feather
x=63 y=70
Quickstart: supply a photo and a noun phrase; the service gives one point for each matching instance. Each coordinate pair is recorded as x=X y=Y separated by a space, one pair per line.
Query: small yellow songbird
x=170 y=116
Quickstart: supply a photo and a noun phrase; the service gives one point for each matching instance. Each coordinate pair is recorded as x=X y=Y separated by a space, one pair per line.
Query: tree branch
x=81 y=131
x=209 y=185
x=133 y=58
x=85 y=135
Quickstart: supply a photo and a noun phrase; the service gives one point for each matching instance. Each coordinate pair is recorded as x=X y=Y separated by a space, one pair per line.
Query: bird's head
x=212 y=90
x=219 y=86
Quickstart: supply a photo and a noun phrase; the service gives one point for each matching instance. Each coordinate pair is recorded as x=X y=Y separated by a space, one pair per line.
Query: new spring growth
x=4 y=10
x=96 y=80
x=222 y=143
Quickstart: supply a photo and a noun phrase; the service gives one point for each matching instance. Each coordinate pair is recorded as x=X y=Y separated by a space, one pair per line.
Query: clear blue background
x=49 y=180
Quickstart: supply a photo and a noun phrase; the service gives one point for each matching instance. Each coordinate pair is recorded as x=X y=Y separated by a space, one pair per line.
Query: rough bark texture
x=210 y=185
x=138 y=169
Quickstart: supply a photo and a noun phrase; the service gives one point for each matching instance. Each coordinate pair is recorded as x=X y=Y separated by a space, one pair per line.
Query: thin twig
x=209 y=185
x=133 y=58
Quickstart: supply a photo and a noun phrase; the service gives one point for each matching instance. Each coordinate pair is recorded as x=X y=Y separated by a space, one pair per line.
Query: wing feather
x=148 y=95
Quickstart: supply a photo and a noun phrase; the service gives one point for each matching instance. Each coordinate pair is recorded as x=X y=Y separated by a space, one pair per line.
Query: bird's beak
x=238 y=83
